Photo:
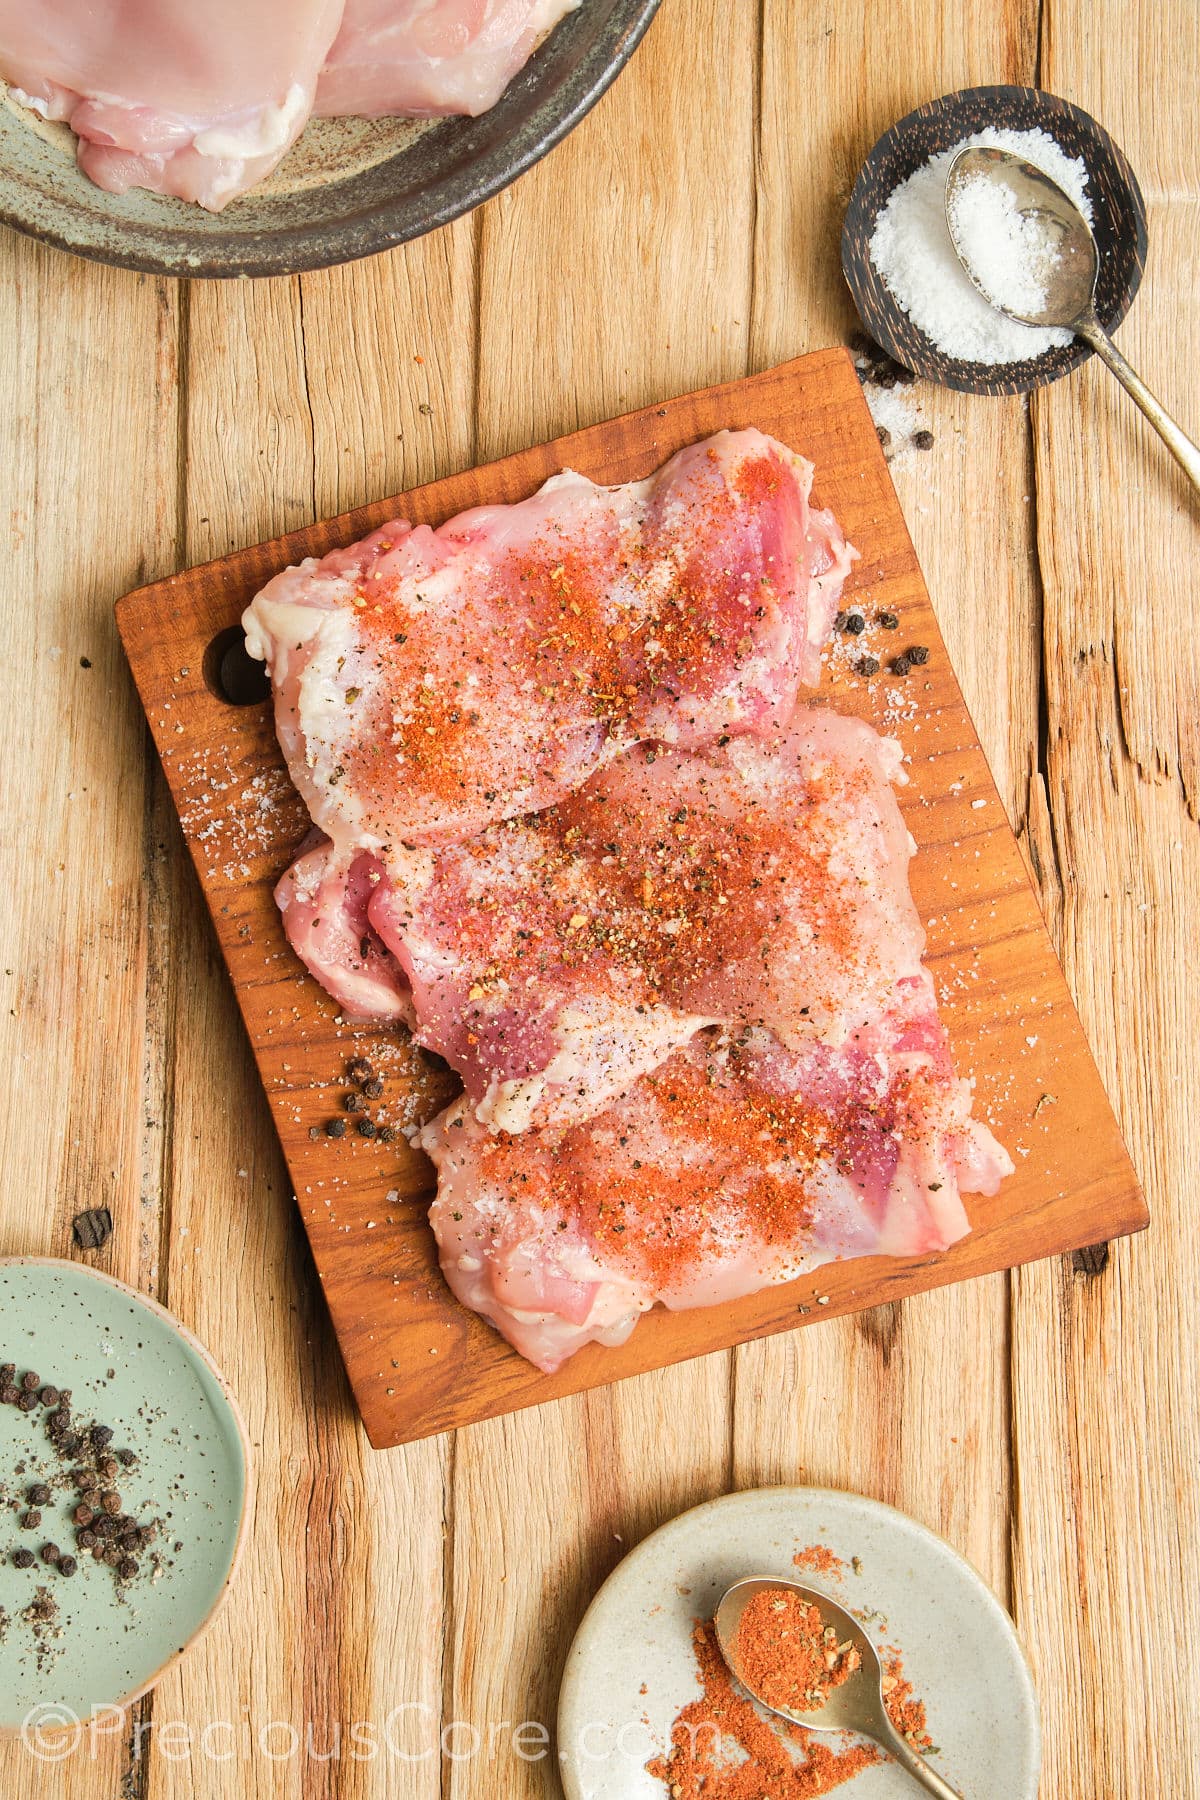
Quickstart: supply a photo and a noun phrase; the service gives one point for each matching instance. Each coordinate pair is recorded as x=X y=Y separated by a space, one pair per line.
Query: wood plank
x=279 y=427
x=1106 y=1397
x=77 y=930
x=1002 y=994
x=908 y=1403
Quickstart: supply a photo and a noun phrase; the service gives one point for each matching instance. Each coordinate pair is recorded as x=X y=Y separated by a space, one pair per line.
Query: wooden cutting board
x=417 y=1361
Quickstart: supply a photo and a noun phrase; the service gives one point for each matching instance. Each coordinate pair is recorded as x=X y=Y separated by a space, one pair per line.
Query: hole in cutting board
x=231 y=673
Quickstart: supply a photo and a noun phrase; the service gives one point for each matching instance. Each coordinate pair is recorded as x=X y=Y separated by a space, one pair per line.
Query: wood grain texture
x=1046 y=1422
x=418 y=1362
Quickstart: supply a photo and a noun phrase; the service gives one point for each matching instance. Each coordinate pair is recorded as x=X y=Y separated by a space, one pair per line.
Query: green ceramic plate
x=129 y=1365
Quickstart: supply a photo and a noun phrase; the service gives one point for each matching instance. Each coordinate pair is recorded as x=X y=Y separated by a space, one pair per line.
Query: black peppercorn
x=102 y=1436
x=889 y=620
x=923 y=440
x=335 y=1128
x=127 y=1568
x=867 y=665
x=839 y=621
x=855 y=624
x=87 y=1540
x=28 y=1402
x=900 y=665
x=30 y=1520
x=50 y=1553
x=387 y=1134
x=366 y=1128
x=918 y=655
x=38 y=1494
x=67 y=1565
x=111 y=1502
x=50 y=1396
x=359 y=1069
x=354 y=1103
x=31 y=1382
x=23 y=1559
x=8 y=1374
x=10 y=1394
x=373 y=1088
x=83 y=1514
x=884 y=436
x=92 y=1229
x=69 y=1443
x=126 y=1458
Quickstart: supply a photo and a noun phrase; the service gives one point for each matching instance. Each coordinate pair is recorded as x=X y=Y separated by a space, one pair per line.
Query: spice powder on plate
x=789 y=1655
x=722 y=1748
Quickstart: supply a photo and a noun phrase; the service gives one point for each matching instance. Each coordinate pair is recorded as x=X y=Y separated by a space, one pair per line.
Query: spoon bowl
x=1071 y=278
x=856 y=1704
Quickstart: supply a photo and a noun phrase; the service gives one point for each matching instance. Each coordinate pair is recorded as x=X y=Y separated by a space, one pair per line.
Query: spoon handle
x=1177 y=441
x=918 y=1768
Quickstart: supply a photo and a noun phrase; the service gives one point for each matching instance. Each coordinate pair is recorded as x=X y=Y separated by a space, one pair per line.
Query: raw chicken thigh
x=735 y=1165
x=196 y=101
x=555 y=957
x=577 y=831
x=428 y=682
x=426 y=57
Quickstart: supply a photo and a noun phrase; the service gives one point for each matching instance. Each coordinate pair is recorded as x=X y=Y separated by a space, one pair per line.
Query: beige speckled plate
x=349 y=186
x=632 y=1667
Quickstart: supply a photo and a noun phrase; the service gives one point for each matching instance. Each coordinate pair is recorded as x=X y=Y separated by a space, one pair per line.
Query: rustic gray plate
x=348 y=188
x=632 y=1666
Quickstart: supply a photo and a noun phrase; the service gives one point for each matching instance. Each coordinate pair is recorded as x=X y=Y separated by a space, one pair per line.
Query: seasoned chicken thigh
x=428 y=682
x=735 y=1165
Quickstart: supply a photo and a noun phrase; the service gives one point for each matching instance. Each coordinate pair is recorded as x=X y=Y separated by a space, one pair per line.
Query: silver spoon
x=857 y=1705
x=1070 y=300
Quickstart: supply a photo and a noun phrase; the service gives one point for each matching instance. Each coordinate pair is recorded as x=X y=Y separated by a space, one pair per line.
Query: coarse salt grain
x=1014 y=254
x=912 y=250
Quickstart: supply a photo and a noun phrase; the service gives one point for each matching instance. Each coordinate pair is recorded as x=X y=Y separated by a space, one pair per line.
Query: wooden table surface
x=1047 y=1423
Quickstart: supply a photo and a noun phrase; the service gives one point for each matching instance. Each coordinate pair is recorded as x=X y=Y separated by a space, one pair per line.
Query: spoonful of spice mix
x=1029 y=251
x=806 y=1659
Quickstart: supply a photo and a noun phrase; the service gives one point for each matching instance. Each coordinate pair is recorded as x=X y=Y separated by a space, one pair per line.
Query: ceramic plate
x=131 y=1366
x=347 y=188
x=631 y=1668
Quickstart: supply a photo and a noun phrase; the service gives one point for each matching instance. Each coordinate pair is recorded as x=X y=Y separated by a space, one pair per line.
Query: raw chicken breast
x=196 y=101
x=555 y=957
x=429 y=682
x=735 y=1165
x=426 y=57
x=324 y=907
